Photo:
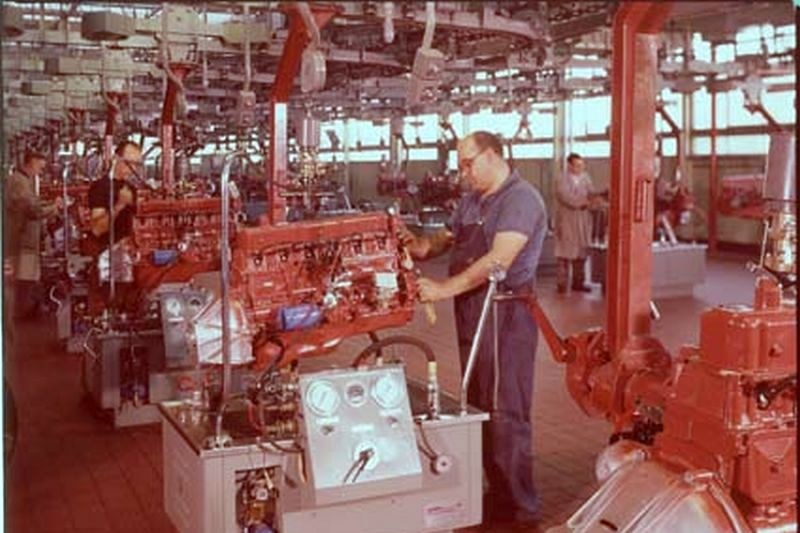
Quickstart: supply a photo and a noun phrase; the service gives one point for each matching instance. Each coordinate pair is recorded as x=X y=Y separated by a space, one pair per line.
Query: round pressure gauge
x=356 y=394
x=173 y=306
x=322 y=398
x=387 y=392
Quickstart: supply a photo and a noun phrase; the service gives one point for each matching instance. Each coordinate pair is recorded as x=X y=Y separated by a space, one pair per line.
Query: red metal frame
x=632 y=142
x=288 y=67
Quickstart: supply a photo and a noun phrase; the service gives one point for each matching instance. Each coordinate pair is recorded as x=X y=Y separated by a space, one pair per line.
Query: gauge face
x=322 y=398
x=173 y=306
x=356 y=394
x=387 y=392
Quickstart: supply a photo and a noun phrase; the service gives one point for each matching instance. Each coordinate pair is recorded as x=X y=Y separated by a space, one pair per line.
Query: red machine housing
x=354 y=271
x=439 y=190
x=741 y=196
x=392 y=183
x=731 y=406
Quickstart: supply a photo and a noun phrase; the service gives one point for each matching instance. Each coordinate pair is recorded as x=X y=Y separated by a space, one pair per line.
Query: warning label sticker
x=443 y=515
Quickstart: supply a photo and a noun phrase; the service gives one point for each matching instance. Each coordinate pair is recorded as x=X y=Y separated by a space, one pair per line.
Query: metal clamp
x=496 y=275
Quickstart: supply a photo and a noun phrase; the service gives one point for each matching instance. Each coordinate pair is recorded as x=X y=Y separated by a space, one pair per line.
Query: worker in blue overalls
x=502 y=220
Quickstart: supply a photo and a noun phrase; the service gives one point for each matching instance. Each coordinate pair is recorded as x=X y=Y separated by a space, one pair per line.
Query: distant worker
x=573 y=228
x=501 y=221
x=127 y=164
x=23 y=231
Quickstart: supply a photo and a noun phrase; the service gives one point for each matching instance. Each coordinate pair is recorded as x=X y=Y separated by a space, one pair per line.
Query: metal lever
x=496 y=275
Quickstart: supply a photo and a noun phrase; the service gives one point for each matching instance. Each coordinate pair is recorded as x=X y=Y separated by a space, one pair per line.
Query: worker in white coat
x=23 y=231
x=573 y=228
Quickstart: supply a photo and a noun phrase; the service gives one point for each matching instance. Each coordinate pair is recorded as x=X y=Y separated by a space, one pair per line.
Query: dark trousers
x=578 y=268
x=27 y=298
x=508 y=436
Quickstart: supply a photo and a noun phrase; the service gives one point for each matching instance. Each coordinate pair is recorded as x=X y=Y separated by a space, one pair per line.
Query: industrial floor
x=73 y=473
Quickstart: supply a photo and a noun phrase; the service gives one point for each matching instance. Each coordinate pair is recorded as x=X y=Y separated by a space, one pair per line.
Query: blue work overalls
x=507 y=439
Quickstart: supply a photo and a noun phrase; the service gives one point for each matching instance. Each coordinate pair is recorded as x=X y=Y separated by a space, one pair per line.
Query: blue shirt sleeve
x=522 y=212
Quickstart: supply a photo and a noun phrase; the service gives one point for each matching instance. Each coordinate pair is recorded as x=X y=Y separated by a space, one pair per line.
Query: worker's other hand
x=125 y=196
x=415 y=245
x=405 y=235
x=58 y=203
x=432 y=291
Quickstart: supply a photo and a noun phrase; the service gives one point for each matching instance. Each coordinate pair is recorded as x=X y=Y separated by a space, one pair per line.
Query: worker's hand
x=597 y=202
x=125 y=196
x=416 y=246
x=405 y=235
x=432 y=291
x=58 y=203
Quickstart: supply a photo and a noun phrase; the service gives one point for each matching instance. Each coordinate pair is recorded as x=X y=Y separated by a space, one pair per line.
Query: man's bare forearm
x=430 y=246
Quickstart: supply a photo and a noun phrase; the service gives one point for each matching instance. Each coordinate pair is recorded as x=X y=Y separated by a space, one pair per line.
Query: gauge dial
x=322 y=398
x=173 y=306
x=356 y=394
x=387 y=392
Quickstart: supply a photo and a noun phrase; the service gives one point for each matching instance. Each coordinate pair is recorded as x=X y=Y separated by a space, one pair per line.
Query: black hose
x=376 y=347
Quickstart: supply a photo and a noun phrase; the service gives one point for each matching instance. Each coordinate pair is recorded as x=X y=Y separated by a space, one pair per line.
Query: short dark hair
x=30 y=155
x=572 y=157
x=485 y=140
x=120 y=149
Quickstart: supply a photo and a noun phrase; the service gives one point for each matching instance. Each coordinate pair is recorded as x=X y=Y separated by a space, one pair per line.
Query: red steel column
x=289 y=64
x=632 y=151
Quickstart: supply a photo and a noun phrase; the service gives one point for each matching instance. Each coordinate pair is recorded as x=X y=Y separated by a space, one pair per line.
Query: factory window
x=748 y=41
x=725 y=52
x=781 y=104
x=785 y=38
x=335 y=128
x=452 y=160
x=329 y=157
x=364 y=156
x=421 y=129
x=423 y=154
x=588 y=115
x=504 y=124
x=367 y=134
x=701 y=48
x=701 y=109
x=669 y=147
x=533 y=151
x=541 y=121
x=592 y=148
x=732 y=145
x=457 y=121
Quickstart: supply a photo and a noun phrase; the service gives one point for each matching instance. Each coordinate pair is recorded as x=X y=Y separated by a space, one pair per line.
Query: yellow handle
x=430 y=313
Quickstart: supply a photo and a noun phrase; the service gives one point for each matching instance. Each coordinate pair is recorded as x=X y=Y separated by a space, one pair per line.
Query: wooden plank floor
x=73 y=473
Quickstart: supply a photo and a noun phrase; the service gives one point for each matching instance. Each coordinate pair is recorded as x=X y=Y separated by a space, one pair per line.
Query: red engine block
x=189 y=228
x=332 y=278
x=732 y=407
